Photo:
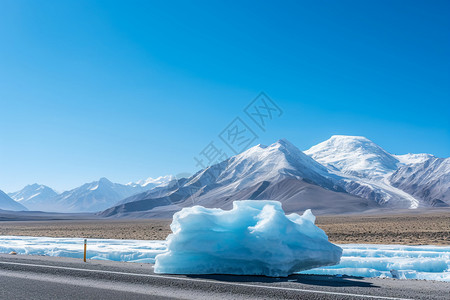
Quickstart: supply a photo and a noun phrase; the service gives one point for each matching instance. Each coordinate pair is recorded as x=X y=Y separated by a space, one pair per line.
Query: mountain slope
x=33 y=195
x=279 y=171
x=6 y=203
x=428 y=180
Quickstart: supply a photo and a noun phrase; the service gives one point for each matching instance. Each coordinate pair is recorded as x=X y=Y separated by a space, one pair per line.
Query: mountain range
x=343 y=174
x=90 y=197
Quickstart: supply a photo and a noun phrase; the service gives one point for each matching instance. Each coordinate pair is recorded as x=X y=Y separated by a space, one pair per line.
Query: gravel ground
x=408 y=228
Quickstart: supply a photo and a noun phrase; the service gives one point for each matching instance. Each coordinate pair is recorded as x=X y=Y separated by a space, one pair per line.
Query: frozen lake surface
x=409 y=262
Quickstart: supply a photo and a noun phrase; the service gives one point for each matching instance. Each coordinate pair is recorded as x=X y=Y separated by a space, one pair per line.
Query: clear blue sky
x=132 y=89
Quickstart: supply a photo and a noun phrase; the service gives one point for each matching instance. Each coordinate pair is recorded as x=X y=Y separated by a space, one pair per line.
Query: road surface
x=39 y=277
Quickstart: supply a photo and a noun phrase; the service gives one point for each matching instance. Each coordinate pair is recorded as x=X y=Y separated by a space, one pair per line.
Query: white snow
x=412 y=158
x=102 y=249
x=415 y=262
x=153 y=182
x=410 y=262
x=254 y=238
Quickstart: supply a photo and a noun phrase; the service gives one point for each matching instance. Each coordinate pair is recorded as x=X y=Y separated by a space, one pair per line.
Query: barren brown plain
x=407 y=229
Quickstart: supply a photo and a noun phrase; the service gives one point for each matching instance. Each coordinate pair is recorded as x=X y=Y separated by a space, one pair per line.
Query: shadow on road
x=316 y=280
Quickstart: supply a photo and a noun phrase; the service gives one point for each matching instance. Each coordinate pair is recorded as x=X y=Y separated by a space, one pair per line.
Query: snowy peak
x=265 y=163
x=354 y=155
x=281 y=154
x=33 y=194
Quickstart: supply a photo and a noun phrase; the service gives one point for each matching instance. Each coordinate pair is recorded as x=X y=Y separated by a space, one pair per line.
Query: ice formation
x=254 y=238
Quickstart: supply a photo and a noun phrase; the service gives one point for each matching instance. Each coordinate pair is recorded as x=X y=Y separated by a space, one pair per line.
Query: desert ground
x=428 y=228
x=403 y=229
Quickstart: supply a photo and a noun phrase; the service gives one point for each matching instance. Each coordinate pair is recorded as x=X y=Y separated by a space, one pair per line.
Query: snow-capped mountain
x=89 y=197
x=33 y=195
x=342 y=174
x=354 y=155
x=152 y=182
x=6 y=203
x=279 y=171
x=367 y=167
x=428 y=180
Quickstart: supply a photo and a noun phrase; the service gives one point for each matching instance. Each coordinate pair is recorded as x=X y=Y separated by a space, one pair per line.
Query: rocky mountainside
x=428 y=180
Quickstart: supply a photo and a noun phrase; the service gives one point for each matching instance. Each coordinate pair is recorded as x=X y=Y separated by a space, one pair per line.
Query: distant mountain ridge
x=90 y=197
x=343 y=174
x=32 y=196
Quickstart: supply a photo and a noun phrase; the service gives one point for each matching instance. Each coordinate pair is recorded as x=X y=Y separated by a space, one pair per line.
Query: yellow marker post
x=85 y=241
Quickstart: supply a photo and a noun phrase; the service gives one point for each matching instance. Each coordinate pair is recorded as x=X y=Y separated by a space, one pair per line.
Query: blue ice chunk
x=254 y=238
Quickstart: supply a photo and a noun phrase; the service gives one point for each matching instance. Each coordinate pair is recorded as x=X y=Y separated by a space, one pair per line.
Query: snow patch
x=102 y=249
x=409 y=262
x=412 y=158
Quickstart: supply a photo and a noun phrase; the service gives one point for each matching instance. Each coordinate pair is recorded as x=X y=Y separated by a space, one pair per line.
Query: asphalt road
x=36 y=277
